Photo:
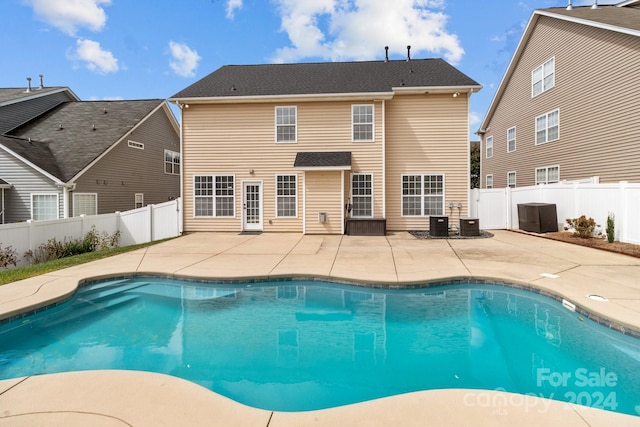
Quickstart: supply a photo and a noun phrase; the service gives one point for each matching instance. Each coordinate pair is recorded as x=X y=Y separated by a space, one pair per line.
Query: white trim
x=135 y=200
x=260 y=225
x=135 y=144
x=486 y=178
x=285 y=98
x=275 y=179
x=515 y=177
x=31 y=195
x=541 y=68
x=55 y=180
x=422 y=194
x=371 y=174
x=323 y=168
x=39 y=93
x=535 y=176
x=535 y=129
x=275 y=113
x=417 y=90
x=173 y=164
x=515 y=139
x=85 y=194
x=384 y=158
x=486 y=147
x=373 y=123
x=615 y=28
x=213 y=195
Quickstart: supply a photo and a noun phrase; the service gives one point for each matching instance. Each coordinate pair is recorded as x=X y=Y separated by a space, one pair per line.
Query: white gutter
x=276 y=98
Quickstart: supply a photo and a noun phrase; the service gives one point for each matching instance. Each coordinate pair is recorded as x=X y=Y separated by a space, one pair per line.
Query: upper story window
x=511 y=179
x=171 y=162
x=362 y=195
x=548 y=175
x=548 y=127
x=286 y=124
x=488 y=181
x=511 y=139
x=214 y=195
x=362 y=122
x=422 y=195
x=44 y=206
x=489 y=146
x=543 y=78
x=286 y=196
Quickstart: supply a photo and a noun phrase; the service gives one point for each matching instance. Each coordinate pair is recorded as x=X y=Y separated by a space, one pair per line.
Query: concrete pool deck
x=128 y=398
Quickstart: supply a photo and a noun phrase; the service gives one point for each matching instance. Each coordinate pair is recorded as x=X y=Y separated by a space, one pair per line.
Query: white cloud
x=359 y=29
x=185 y=60
x=95 y=58
x=69 y=15
x=232 y=6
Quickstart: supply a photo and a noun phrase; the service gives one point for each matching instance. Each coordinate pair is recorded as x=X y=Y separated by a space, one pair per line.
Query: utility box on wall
x=537 y=217
x=322 y=217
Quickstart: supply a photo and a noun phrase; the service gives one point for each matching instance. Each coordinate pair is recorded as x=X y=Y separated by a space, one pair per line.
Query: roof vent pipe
x=41 y=81
x=570 y=6
x=595 y=4
x=28 y=84
x=409 y=53
x=386 y=54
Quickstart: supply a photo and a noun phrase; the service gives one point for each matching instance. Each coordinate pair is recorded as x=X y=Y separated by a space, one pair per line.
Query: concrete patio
x=127 y=398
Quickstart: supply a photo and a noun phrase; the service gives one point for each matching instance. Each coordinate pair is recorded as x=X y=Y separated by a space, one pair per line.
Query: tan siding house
x=567 y=107
x=310 y=147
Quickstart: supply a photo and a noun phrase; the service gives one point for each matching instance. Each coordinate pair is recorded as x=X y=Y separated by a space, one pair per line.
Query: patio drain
x=597 y=297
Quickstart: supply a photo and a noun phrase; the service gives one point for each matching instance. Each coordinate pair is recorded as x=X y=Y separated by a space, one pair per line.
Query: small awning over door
x=323 y=160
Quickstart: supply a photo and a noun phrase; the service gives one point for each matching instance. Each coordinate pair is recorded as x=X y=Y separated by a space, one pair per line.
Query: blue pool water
x=302 y=345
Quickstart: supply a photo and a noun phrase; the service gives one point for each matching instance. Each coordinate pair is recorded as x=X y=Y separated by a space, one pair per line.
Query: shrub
x=8 y=256
x=583 y=227
x=55 y=249
x=611 y=229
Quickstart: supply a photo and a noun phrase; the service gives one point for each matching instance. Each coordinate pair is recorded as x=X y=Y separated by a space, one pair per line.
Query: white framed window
x=422 y=195
x=85 y=204
x=488 y=142
x=171 y=162
x=138 y=200
x=44 y=206
x=511 y=139
x=543 y=78
x=214 y=195
x=286 y=196
x=511 y=179
x=134 y=144
x=362 y=123
x=548 y=174
x=548 y=127
x=286 y=124
x=362 y=195
x=488 y=181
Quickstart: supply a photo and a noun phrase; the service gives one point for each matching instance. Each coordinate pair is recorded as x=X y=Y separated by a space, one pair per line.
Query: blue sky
x=134 y=49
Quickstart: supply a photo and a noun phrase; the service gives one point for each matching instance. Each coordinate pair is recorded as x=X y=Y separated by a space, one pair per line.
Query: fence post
x=31 y=235
x=151 y=214
x=622 y=219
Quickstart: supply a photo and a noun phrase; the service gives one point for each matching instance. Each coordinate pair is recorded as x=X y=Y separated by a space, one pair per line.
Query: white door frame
x=252 y=220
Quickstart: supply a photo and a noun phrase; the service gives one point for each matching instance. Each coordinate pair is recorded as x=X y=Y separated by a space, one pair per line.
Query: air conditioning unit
x=439 y=226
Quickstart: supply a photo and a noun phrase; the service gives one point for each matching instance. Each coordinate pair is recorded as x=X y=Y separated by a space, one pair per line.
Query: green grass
x=20 y=273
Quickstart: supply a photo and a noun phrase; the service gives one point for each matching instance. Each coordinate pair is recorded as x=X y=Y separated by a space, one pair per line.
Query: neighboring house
x=308 y=147
x=89 y=157
x=568 y=106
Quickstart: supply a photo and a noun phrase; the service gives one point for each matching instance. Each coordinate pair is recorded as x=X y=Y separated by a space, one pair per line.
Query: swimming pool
x=301 y=345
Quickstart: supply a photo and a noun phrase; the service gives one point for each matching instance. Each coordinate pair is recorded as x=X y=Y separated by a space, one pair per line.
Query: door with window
x=252 y=206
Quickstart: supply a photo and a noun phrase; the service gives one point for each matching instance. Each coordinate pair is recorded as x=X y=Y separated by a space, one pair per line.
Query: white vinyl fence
x=152 y=222
x=498 y=208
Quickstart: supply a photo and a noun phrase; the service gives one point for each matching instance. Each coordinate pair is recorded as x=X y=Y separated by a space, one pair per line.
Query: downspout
x=384 y=159
x=181 y=203
x=66 y=188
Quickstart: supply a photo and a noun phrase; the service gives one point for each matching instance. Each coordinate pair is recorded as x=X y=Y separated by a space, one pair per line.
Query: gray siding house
x=89 y=157
x=568 y=106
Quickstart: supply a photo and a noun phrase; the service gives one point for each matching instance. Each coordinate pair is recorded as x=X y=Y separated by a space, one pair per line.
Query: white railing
x=498 y=208
x=152 y=222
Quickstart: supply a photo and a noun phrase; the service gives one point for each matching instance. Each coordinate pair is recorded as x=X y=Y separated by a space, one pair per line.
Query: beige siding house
x=568 y=106
x=320 y=148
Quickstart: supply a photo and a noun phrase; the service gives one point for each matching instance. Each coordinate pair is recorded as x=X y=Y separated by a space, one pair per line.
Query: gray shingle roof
x=324 y=78
x=340 y=159
x=9 y=95
x=625 y=17
x=36 y=152
x=66 y=133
